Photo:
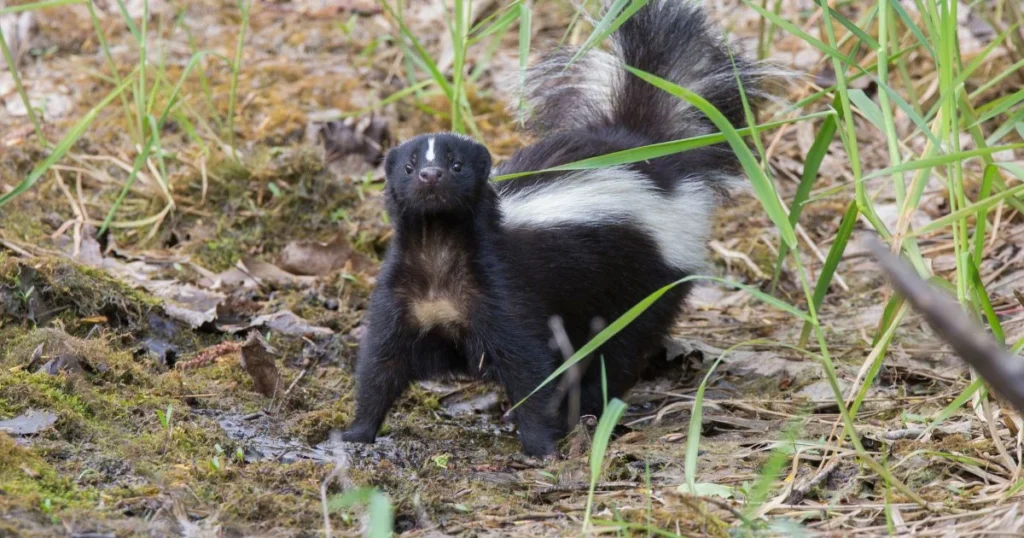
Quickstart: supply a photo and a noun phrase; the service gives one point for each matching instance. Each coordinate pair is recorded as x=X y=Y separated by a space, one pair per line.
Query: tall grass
x=874 y=47
x=877 y=47
x=139 y=92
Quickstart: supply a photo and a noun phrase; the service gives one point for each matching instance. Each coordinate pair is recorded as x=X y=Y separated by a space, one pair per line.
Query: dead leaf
x=258 y=359
x=353 y=147
x=272 y=274
x=632 y=437
x=318 y=259
x=284 y=322
x=67 y=364
x=30 y=422
x=18 y=29
x=185 y=302
x=462 y=403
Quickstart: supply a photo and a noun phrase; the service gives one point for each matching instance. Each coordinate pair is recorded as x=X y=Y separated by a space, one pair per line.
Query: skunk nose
x=430 y=175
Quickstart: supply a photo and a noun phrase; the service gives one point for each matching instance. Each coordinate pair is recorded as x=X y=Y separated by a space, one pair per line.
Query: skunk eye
x=457 y=167
x=408 y=169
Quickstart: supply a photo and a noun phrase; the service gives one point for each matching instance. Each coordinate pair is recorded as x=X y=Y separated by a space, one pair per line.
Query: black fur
x=462 y=292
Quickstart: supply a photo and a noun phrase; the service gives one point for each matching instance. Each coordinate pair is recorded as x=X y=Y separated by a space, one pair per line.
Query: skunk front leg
x=392 y=355
x=383 y=372
x=521 y=362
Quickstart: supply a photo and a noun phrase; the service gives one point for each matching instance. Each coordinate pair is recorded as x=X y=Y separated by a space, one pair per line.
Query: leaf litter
x=278 y=251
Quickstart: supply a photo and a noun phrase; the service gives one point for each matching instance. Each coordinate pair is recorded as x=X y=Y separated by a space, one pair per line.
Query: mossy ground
x=248 y=465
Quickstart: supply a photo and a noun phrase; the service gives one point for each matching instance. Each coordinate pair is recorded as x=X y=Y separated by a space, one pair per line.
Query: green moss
x=253 y=218
x=271 y=495
x=30 y=482
x=74 y=290
x=315 y=426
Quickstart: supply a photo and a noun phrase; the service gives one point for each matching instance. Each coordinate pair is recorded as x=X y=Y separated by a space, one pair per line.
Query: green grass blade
x=981 y=220
x=602 y=435
x=982 y=299
x=236 y=66
x=914 y=28
x=421 y=55
x=618 y=13
x=64 y=145
x=661 y=149
x=32 y=6
x=132 y=27
x=879 y=349
x=868 y=107
x=459 y=32
x=380 y=510
x=941 y=160
x=853 y=28
x=697 y=418
x=997 y=107
x=812 y=163
x=495 y=22
x=955 y=405
x=625 y=319
x=763 y=187
x=779 y=21
x=828 y=269
x=16 y=78
x=393 y=98
x=961 y=214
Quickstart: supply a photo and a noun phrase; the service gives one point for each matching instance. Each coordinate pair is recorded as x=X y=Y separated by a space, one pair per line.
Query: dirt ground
x=135 y=403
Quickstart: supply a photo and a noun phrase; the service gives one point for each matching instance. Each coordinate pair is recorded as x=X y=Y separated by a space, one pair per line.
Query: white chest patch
x=430 y=150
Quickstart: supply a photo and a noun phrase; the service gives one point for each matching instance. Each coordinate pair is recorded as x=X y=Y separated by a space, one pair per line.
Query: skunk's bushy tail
x=668 y=38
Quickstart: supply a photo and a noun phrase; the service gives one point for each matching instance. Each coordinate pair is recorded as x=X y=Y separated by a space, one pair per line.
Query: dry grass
x=772 y=436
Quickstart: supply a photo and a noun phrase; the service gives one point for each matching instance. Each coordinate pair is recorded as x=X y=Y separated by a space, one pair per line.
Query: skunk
x=477 y=269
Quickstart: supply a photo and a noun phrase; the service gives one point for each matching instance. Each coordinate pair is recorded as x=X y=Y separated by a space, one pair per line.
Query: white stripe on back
x=679 y=222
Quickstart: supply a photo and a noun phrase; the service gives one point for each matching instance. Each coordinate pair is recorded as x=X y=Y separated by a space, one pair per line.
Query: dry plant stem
x=993 y=431
x=210 y=354
x=1004 y=372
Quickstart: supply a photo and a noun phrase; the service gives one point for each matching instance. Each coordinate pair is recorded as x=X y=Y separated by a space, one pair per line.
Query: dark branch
x=1003 y=371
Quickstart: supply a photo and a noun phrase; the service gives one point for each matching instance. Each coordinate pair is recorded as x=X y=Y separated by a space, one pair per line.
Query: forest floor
x=134 y=402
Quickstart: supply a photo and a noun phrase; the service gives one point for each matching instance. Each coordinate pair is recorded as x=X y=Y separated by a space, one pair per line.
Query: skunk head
x=438 y=173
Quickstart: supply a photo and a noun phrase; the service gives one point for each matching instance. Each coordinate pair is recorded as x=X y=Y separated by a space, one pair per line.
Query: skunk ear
x=389 y=163
x=482 y=161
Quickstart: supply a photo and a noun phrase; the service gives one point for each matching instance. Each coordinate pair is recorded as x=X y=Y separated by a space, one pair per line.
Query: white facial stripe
x=430 y=150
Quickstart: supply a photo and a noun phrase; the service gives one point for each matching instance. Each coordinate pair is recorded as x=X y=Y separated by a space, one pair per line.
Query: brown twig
x=1004 y=372
x=209 y=355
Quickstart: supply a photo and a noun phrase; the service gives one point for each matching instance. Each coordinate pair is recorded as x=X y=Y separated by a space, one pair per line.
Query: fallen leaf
x=68 y=364
x=270 y=273
x=631 y=437
x=353 y=147
x=185 y=302
x=460 y=403
x=30 y=422
x=258 y=359
x=318 y=259
x=284 y=322
x=18 y=28
x=707 y=489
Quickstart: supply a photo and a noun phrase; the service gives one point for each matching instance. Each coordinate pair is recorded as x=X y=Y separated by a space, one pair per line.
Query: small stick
x=1003 y=371
x=209 y=355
